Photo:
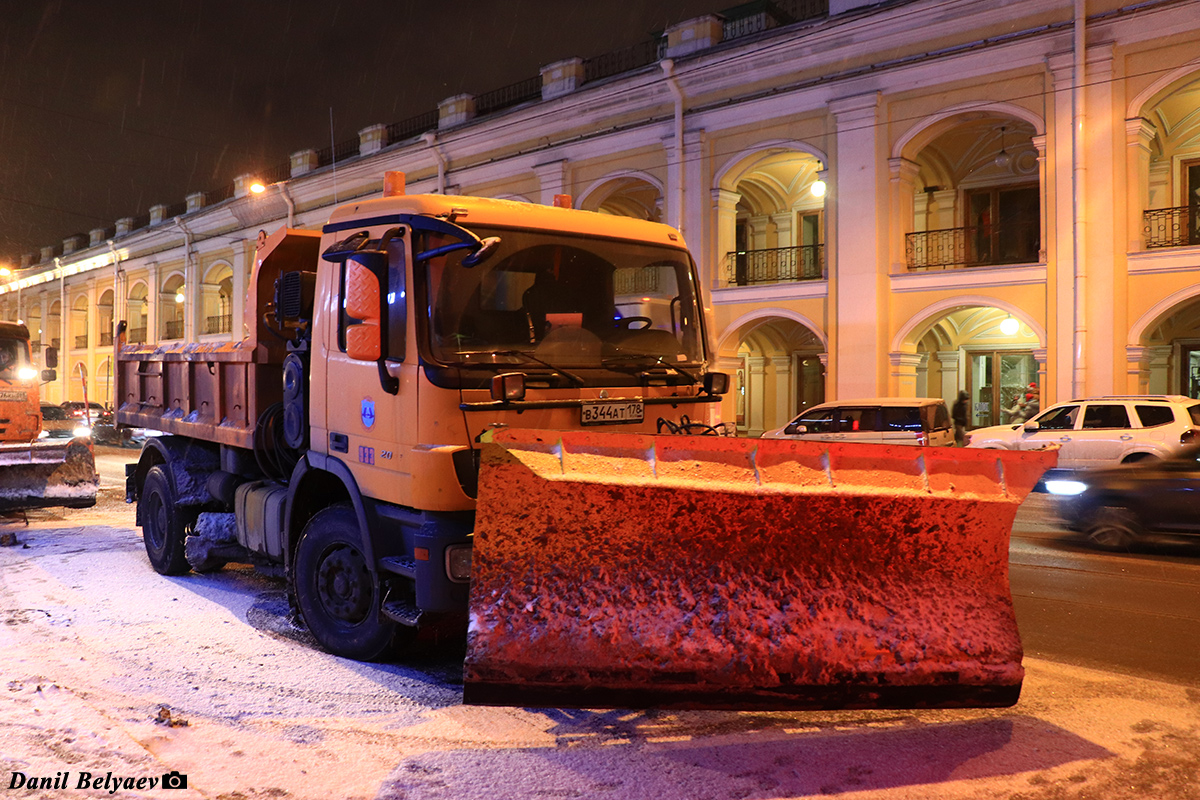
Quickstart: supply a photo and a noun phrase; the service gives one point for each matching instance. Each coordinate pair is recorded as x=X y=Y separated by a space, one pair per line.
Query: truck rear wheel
x=164 y=524
x=337 y=592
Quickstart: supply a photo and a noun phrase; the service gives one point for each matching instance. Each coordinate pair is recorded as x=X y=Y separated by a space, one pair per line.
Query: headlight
x=458 y=562
x=81 y=430
x=1066 y=488
x=27 y=373
x=44 y=434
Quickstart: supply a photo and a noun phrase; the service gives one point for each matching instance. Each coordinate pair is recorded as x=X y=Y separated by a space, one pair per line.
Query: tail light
x=923 y=439
x=1188 y=436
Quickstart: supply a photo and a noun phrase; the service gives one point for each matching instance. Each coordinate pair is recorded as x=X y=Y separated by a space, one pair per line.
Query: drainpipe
x=118 y=299
x=1079 y=197
x=668 y=68
x=189 y=290
x=291 y=204
x=62 y=327
x=430 y=139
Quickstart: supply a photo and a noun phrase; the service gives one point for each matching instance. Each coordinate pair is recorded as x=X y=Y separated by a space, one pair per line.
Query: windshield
x=13 y=356
x=560 y=301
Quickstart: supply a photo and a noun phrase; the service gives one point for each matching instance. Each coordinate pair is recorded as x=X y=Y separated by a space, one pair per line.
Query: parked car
x=57 y=423
x=1116 y=507
x=875 y=420
x=76 y=409
x=1101 y=431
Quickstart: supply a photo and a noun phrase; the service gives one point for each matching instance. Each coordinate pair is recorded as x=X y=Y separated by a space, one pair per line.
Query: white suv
x=1101 y=431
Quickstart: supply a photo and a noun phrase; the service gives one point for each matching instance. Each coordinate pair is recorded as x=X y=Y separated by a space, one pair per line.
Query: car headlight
x=27 y=373
x=1066 y=488
x=458 y=562
x=81 y=431
x=44 y=434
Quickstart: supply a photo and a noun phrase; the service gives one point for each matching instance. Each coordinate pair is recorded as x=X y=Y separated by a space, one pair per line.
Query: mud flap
x=629 y=571
x=46 y=474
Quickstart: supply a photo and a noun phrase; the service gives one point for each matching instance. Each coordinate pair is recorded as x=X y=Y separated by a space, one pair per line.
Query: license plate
x=612 y=412
x=11 y=396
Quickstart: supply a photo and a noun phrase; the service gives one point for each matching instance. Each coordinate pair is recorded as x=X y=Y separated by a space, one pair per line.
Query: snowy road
x=94 y=644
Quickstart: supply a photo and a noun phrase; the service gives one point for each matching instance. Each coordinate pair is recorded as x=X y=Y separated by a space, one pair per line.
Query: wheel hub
x=344 y=585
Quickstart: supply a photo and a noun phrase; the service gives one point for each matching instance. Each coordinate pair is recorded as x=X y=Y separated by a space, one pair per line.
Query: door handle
x=1125 y=437
x=1064 y=438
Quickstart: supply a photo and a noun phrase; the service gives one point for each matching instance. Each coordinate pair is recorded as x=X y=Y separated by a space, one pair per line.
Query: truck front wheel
x=337 y=592
x=164 y=524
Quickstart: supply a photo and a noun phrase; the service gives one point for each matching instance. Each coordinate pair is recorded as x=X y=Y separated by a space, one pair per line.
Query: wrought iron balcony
x=973 y=246
x=775 y=265
x=1172 y=227
x=81 y=342
x=173 y=329
x=136 y=336
x=106 y=338
x=221 y=323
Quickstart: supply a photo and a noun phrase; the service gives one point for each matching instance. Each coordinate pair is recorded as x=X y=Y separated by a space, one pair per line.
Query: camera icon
x=173 y=780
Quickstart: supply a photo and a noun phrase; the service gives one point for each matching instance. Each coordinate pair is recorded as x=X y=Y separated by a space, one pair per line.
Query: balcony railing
x=221 y=323
x=775 y=265
x=106 y=338
x=974 y=246
x=136 y=336
x=1172 y=227
x=173 y=329
x=81 y=342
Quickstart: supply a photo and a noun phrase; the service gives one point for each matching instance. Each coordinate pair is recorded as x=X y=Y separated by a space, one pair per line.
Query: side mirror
x=50 y=358
x=716 y=382
x=1031 y=427
x=363 y=340
x=49 y=375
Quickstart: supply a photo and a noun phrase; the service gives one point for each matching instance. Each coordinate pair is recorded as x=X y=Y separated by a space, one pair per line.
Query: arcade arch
x=217 y=299
x=138 y=311
x=990 y=350
x=779 y=360
x=1164 y=155
x=631 y=194
x=970 y=180
x=1167 y=349
x=771 y=216
x=171 y=306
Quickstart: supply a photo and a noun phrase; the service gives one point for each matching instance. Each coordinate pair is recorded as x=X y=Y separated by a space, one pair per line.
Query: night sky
x=108 y=108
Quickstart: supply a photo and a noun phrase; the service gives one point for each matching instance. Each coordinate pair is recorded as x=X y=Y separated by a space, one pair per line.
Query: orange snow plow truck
x=36 y=473
x=443 y=419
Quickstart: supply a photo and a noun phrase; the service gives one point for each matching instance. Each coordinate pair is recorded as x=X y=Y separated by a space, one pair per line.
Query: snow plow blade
x=47 y=474
x=630 y=571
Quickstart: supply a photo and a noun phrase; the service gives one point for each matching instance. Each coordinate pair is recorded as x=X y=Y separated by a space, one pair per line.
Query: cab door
x=369 y=427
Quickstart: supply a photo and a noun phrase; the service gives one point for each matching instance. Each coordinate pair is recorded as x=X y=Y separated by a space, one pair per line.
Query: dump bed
x=216 y=391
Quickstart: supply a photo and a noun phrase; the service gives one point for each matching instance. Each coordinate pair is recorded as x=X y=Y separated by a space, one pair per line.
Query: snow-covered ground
x=94 y=646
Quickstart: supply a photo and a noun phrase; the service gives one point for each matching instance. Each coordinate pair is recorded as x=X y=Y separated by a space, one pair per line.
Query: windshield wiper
x=645 y=361
x=571 y=376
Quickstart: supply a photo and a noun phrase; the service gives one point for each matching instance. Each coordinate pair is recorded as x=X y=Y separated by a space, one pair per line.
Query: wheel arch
x=317 y=483
x=182 y=457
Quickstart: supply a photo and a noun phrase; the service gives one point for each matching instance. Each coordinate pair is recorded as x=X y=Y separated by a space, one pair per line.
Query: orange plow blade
x=46 y=474
x=630 y=571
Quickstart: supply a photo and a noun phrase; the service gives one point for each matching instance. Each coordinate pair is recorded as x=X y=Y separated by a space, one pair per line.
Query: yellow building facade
x=1011 y=196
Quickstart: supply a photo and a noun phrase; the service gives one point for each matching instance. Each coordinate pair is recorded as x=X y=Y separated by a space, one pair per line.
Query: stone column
x=756 y=369
x=951 y=379
x=1139 y=135
x=1062 y=250
x=904 y=374
x=553 y=179
x=785 y=403
x=903 y=209
x=725 y=207
x=859 y=295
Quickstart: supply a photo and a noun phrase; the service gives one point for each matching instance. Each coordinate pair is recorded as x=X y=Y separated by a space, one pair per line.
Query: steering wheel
x=627 y=323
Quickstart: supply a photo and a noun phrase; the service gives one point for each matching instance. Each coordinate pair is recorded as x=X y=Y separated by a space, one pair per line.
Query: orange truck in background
x=33 y=473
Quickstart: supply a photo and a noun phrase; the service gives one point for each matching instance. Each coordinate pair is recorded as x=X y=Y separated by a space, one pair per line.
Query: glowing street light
x=1009 y=326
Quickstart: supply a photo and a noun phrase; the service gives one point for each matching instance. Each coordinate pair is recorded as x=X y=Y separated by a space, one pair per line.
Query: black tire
x=164 y=524
x=336 y=591
x=1113 y=528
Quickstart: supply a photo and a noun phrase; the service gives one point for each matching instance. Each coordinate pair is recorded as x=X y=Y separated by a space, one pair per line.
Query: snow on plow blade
x=44 y=474
x=630 y=571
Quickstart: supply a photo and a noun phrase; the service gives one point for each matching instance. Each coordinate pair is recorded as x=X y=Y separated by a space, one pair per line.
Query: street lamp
x=1009 y=326
x=258 y=187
